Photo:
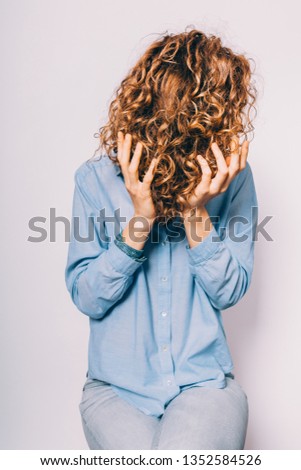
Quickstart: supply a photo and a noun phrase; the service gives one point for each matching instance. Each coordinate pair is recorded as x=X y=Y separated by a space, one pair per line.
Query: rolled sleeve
x=121 y=261
x=205 y=249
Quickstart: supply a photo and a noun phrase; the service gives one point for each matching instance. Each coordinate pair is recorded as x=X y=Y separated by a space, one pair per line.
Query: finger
x=203 y=186
x=244 y=154
x=222 y=168
x=120 y=139
x=220 y=159
x=234 y=157
x=149 y=175
x=133 y=167
x=126 y=152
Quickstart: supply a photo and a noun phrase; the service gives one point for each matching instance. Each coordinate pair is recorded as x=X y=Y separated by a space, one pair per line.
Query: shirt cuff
x=121 y=261
x=205 y=249
x=133 y=252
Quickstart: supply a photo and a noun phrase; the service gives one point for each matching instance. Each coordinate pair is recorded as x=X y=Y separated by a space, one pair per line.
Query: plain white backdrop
x=61 y=60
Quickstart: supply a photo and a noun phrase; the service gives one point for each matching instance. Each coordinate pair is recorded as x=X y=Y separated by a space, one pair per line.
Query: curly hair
x=186 y=91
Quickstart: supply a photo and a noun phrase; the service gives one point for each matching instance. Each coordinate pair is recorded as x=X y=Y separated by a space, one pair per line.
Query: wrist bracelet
x=138 y=255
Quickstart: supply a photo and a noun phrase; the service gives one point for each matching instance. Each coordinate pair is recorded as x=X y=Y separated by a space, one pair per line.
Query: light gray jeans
x=198 y=418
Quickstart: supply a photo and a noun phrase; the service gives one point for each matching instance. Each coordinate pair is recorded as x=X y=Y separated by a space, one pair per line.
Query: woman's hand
x=227 y=169
x=140 y=192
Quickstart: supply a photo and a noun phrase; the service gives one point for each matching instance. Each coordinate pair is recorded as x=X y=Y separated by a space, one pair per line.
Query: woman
x=175 y=182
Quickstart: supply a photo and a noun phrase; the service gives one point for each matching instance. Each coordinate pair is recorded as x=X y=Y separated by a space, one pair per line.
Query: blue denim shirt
x=156 y=326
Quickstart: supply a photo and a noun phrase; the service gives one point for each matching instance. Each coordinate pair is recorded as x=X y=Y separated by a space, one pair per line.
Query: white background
x=60 y=63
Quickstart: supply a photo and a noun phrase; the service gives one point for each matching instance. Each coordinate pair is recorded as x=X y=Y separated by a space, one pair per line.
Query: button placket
x=164 y=314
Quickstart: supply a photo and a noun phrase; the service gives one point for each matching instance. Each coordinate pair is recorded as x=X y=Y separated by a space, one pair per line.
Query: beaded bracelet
x=137 y=255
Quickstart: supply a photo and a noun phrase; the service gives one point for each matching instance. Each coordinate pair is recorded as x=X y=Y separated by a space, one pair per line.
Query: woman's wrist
x=193 y=212
x=137 y=230
x=144 y=222
x=134 y=253
x=197 y=225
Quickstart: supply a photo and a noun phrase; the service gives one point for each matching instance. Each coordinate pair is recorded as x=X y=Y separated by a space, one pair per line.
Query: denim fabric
x=132 y=252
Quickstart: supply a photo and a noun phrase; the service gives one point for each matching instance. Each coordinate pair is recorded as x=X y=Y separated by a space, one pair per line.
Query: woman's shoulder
x=96 y=166
x=94 y=177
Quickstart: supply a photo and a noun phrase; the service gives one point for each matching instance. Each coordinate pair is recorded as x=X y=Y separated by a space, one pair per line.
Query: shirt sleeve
x=97 y=272
x=137 y=255
x=223 y=266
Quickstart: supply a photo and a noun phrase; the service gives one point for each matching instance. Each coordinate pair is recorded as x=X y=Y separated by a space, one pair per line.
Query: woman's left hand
x=227 y=169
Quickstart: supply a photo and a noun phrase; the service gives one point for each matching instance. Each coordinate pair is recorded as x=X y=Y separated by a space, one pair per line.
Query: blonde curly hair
x=186 y=91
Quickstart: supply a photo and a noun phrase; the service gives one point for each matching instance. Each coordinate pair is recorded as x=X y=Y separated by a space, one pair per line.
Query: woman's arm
x=197 y=226
x=98 y=274
x=224 y=267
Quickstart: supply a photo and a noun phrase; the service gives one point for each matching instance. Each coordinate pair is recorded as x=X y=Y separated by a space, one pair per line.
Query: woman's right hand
x=140 y=192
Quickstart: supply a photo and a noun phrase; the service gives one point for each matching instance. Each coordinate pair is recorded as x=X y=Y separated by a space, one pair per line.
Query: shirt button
x=163 y=314
x=164 y=347
x=163 y=278
x=168 y=382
